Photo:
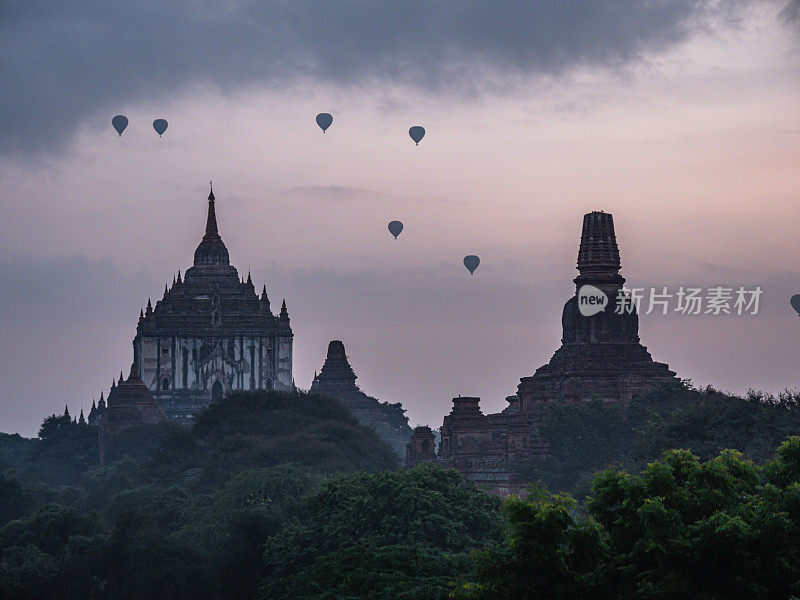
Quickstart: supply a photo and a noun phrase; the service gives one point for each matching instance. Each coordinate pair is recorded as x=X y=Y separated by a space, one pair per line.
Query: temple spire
x=211 y=222
x=598 y=256
x=336 y=374
x=598 y=251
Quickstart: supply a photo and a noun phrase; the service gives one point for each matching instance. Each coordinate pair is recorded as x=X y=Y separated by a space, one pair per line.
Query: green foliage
x=396 y=417
x=64 y=451
x=585 y=438
x=399 y=534
x=280 y=496
x=137 y=443
x=265 y=429
x=233 y=524
x=683 y=529
x=15 y=501
x=174 y=512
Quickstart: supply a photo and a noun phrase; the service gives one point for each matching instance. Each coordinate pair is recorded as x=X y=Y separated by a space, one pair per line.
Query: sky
x=681 y=118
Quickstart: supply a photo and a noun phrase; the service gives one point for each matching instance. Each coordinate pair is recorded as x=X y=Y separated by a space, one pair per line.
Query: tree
x=392 y=535
x=683 y=529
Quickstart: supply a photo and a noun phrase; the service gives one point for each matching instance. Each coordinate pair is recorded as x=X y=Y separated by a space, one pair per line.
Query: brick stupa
x=338 y=380
x=600 y=355
x=130 y=403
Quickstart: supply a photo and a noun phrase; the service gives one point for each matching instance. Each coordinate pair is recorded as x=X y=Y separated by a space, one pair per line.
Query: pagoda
x=337 y=380
x=211 y=334
x=130 y=404
x=600 y=355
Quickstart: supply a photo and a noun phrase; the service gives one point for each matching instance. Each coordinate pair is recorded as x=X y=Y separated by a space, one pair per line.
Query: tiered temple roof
x=336 y=375
x=211 y=295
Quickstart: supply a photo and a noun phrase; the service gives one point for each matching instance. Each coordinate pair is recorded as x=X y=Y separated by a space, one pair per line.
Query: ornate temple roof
x=211 y=296
x=212 y=250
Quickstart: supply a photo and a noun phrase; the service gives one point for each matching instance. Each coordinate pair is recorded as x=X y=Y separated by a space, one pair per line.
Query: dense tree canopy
x=392 y=535
x=585 y=438
x=274 y=495
x=683 y=529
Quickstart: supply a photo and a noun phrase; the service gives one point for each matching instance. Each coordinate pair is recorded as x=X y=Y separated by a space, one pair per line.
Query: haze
x=680 y=118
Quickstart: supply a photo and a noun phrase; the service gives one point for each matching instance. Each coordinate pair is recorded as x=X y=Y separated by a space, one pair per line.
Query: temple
x=600 y=357
x=130 y=404
x=337 y=380
x=211 y=334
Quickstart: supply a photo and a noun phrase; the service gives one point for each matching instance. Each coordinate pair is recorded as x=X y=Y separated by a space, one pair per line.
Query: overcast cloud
x=65 y=62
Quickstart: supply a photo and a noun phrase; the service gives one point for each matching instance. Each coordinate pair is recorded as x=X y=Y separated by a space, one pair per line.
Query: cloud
x=63 y=63
x=791 y=13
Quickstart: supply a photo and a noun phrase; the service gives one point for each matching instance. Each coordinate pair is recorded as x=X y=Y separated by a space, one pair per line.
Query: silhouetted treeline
x=273 y=495
x=585 y=438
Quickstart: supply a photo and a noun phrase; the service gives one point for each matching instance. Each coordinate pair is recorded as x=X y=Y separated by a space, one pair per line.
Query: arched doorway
x=216 y=391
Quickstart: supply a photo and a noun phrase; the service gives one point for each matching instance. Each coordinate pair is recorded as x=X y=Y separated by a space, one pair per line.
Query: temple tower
x=336 y=375
x=211 y=334
x=338 y=380
x=129 y=404
x=600 y=355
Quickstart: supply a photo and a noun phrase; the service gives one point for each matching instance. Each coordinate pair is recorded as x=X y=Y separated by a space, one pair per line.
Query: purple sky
x=680 y=118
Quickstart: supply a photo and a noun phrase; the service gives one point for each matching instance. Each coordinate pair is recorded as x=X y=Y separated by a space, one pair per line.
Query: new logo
x=591 y=300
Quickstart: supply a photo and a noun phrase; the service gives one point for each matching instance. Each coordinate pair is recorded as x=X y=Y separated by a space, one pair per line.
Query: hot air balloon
x=795 y=302
x=160 y=125
x=324 y=121
x=471 y=262
x=120 y=122
x=395 y=228
x=416 y=133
